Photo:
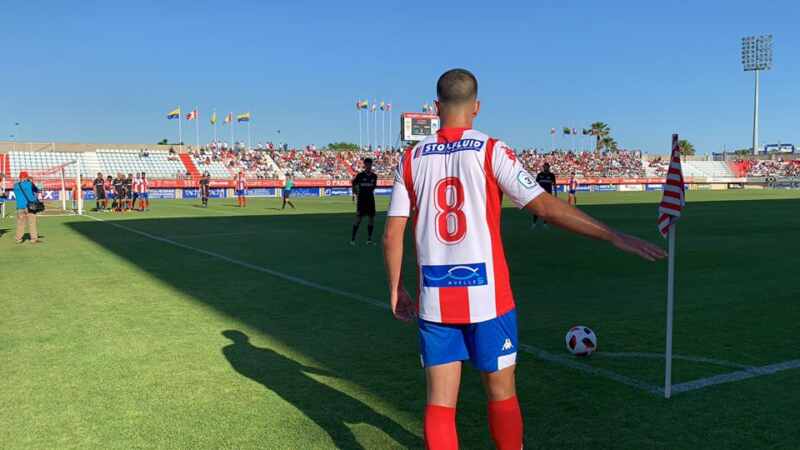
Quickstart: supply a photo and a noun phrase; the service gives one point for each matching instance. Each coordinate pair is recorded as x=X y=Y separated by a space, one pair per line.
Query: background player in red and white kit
x=452 y=184
x=143 y=193
x=241 y=189
x=572 y=188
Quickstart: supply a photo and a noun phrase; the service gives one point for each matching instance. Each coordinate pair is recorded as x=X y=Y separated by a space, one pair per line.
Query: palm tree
x=599 y=130
x=685 y=148
x=609 y=143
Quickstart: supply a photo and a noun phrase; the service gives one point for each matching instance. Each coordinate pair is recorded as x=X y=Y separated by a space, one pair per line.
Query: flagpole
x=180 y=130
x=367 y=114
x=670 y=310
x=358 y=113
x=383 y=129
x=249 y=145
x=230 y=125
x=197 y=127
x=215 y=127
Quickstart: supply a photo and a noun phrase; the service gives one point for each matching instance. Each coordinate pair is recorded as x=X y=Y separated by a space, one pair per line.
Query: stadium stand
x=188 y=163
x=621 y=164
x=157 y=164
x=215 y=168
x=39 y=161
x=706 y=169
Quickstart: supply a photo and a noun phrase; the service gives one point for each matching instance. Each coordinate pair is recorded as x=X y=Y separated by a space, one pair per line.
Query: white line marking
x=750 y=372
x=698 y=359
x=583 y=367
x=747 y=372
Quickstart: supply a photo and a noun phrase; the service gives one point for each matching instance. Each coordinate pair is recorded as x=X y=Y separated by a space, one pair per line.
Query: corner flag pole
x=180 y=131
x=670 y=311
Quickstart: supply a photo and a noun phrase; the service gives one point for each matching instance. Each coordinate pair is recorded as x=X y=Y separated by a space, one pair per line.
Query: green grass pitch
x=119 y=333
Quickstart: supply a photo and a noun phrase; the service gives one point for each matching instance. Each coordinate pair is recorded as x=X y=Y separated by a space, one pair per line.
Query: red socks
x=505 y=424
x=440 y=428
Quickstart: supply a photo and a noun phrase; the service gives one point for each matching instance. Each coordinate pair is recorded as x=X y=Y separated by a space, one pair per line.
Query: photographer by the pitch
x=28 y=204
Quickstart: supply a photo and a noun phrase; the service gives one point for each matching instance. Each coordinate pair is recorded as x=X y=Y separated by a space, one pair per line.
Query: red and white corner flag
x=669 y=211
x=192 y=115
x=674 y=198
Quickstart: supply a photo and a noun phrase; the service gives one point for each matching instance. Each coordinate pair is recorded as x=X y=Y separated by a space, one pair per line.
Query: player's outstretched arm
x=399 y=300
x=572 y=219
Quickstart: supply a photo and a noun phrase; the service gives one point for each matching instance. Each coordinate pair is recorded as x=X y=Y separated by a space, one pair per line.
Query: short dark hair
x=457 y=86
x=367 y=160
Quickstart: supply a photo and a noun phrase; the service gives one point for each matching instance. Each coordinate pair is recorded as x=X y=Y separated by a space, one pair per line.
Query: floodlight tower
x=756 y=56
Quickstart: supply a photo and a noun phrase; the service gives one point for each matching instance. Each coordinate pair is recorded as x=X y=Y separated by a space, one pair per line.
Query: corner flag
x=669 y=211
x=673 y=200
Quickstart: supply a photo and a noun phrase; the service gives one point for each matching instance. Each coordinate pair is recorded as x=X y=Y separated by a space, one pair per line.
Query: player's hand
x=403 y=307
x=636 y=246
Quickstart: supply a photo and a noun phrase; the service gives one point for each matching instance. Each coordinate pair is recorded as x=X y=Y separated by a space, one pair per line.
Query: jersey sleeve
x=400 y=204
x=512 y=177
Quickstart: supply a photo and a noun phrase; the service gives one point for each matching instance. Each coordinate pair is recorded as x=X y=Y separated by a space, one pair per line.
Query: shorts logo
x=524 y=179
x=507 y=345
x=456 y=275
x=452 y=147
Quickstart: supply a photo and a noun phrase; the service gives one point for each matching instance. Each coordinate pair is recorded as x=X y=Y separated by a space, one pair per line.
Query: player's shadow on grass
x=329 y=408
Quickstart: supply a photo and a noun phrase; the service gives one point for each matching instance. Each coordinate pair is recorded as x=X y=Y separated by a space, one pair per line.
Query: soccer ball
x=581 y=341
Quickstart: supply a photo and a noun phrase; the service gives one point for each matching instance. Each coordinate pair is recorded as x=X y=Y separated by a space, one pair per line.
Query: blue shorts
x=240 y=192
x=286 y=193
x=490 y=346
x=571 y=192
x=144 y=195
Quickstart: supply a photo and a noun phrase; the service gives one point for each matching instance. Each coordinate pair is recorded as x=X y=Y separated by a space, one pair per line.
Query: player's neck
x=463 y=121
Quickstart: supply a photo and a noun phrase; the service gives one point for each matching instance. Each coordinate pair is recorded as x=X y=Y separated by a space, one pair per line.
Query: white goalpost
x=56 y=177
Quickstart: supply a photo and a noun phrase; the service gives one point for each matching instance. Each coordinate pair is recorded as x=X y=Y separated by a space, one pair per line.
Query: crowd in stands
x=774 y=168
x=252 y=162
x=331 y=164
x=620 y=164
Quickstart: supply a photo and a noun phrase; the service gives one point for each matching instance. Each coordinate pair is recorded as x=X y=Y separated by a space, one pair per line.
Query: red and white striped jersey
x=241 y=182
x=573 y=184
x=142 y=185
x=454 y=182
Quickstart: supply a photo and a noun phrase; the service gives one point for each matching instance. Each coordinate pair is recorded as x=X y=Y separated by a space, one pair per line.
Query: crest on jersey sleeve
x=525 y=179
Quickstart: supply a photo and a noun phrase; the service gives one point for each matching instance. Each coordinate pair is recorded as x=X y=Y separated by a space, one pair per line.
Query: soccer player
x=572 y=188
x=108 y=187
x=99 y=192
x=547 y=180
x=119 y=192
x=241 y=189
x=135 y=188
x=287 y=191
x=205 y=182
x=144 y=192
x=364 y=185
x=451 y=184
x=128 y=191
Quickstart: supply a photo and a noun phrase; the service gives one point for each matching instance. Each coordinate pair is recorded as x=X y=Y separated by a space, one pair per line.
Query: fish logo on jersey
x=455 y=275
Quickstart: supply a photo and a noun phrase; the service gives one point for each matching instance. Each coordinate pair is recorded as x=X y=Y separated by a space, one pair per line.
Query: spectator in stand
x=25 y=193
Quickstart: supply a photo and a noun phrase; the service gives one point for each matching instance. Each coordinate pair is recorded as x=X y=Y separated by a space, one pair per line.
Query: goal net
x=60 y=188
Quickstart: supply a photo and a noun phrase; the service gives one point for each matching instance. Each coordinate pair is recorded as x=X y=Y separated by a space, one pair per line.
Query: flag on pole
x=552 y=131
x=374 y=107
x=192 y=115
x=567 y=130
x=174 y=114
x=228 y=118
x=243 y=117
x=674 y=198
x=362 y=104
x=388 y=107
x=214 y=118
x=574 y=131
x=382 y=105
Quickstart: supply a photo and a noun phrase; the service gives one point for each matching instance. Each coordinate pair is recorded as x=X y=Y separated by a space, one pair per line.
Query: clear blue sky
x=110 y=71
